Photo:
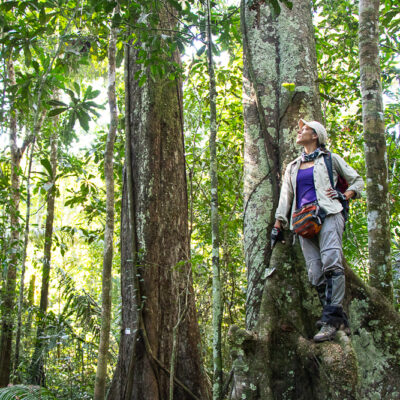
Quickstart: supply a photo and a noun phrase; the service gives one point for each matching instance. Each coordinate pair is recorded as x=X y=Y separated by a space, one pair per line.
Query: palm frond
x=23 y=392
x=79 y=302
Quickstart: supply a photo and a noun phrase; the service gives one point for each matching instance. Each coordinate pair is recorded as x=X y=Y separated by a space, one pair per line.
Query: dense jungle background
x=134 y=216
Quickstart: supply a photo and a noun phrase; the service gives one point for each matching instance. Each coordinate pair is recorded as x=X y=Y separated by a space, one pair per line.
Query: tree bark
x=23 y=262
x=16 y=155
x=154 y=194
x=375 y=149
x=101 y=373
x=216 y=281
x=275 y=357
x=8 y=294
x=271 y=112
x=36 y=370
x=30 y=303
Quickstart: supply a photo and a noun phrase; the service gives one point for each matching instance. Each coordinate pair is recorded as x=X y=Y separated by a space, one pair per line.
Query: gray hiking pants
x=324 y=259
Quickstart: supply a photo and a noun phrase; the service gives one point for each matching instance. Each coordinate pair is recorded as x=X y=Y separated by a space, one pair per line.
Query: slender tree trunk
x=16 y=155
x=30 y=303
x=154 y=221
x=216 y=285
x=101 y=373
x=375 y=149
x=36 y=371
x=14 y=249
x=22 y=279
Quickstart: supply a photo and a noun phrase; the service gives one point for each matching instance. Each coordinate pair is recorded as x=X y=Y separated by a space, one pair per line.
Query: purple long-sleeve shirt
x=305 y=189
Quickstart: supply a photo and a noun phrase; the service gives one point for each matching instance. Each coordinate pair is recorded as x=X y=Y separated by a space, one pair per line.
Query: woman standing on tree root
x=309 y=198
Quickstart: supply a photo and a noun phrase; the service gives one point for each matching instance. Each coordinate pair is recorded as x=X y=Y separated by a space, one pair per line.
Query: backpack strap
x=329 y=166
x=328 y=162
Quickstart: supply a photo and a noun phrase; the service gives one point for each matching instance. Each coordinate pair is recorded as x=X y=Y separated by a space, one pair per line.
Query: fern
x=23 y=392
x=80 y=303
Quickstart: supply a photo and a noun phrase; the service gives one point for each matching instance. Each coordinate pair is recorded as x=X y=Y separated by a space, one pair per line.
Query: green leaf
x=56 y=103
x=95 y=112
x=181 y=46
x=84 y=60
x=155 y=70
x=8 y=5
x=36 y=66
x=56 y=111
x=42 y=16
x=91 y=94
x=201 y=50
x=83 y=119
x=116 y=20
x=215 y=50
x=47 y=165
x=77 y=88
x=71 y=93
x=142 y=80
x=276 y=7
x=90 y=104
x=288 y=4
x=387 y=17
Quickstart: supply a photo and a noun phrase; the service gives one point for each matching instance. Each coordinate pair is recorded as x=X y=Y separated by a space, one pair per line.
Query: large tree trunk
x=155 y=245
x=101 y=372
x=275 y=357
x=375 y=149
x=272 y=57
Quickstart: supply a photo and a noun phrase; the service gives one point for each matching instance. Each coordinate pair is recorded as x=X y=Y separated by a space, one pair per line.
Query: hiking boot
x=327 y=332
x=346 y=329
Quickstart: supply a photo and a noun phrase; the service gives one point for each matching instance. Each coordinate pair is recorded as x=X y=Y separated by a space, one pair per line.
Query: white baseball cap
x=318 y=128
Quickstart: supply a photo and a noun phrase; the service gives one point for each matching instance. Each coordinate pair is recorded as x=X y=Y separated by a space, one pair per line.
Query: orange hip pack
x=307 y=220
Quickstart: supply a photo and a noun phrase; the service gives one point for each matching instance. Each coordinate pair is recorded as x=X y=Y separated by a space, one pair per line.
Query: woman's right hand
x=277 y=234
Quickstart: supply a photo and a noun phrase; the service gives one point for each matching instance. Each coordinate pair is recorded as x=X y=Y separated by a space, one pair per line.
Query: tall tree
x=23 y=268
x=216 y=281
x=277 y=358
x=101 y=372
x=156 y=280
x=8 y=295
x=271 y=113
x=36 y=372
x=35 y=100
x=375 y=149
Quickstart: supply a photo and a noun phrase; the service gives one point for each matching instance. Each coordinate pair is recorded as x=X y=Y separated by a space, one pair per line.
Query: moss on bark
x=279 y=360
